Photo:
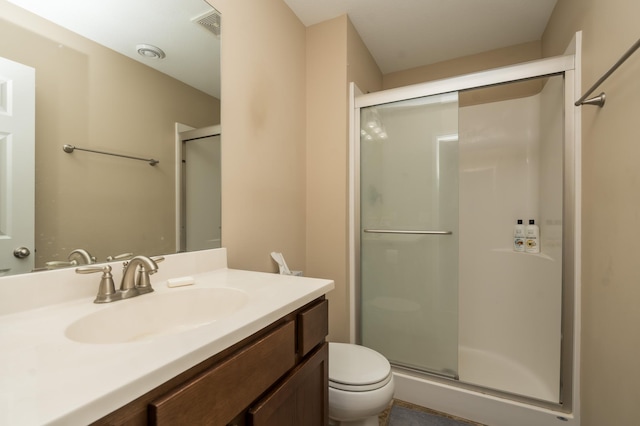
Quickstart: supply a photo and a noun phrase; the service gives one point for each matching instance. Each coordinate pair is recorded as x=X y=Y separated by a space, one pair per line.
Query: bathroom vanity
x=276 y=377
x=236 y=347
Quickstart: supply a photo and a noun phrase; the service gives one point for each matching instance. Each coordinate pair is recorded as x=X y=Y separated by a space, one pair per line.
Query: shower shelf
x=539 y=255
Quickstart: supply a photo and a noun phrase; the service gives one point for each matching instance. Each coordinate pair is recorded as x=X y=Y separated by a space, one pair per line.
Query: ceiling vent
x=210 y=21
x=150 y=51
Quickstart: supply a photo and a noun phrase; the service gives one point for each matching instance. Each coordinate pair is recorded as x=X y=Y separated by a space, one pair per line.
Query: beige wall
x=285 y=146
x=473 y=63
x=335 y=56
x=264 y=132
x=610 y=276
x=327 y=164
x=361 y=67
x=92 y=97
x=465 y=65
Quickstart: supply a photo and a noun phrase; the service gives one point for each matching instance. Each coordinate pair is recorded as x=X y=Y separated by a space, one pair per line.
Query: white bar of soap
x=179 y=282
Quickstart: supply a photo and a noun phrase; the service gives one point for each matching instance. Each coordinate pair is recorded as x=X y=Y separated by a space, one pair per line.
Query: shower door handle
x=418 y=232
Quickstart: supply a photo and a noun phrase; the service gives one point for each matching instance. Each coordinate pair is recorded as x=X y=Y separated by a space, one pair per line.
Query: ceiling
x=400 y=34
x=403 y=34
x=192 y=52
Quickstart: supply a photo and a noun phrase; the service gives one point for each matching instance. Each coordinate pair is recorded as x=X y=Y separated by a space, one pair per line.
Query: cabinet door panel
x=300 y=399
x=220 y=393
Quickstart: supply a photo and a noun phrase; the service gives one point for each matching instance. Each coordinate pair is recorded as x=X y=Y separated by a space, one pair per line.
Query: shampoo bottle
x=519 y=236
x=532 y=234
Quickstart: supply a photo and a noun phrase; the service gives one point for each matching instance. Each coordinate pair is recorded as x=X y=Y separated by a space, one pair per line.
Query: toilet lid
x=354 y=367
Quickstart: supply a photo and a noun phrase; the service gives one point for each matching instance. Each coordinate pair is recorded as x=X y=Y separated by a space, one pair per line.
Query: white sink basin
x=155 y=314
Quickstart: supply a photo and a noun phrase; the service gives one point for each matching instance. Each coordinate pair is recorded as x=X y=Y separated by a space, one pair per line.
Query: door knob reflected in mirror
x=21 y=252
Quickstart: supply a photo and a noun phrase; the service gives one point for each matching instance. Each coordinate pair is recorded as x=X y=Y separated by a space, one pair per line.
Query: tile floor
x=384 y=417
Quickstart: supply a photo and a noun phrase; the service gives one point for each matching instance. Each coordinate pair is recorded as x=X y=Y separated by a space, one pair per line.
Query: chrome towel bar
x=70 y=148
x=599 y=100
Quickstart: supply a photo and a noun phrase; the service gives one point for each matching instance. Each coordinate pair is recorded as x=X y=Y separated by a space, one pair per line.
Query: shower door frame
x=183 y=135
x=560 y=65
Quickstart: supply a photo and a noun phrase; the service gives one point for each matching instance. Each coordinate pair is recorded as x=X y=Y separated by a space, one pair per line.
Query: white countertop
x=45 y=378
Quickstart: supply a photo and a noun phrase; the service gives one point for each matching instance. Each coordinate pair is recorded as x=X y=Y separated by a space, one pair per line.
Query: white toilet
x=360 y=385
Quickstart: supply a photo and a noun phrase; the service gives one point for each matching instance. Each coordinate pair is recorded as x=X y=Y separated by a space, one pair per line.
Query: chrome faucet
x=135 y=283
x=84 y=255
x=135 y=279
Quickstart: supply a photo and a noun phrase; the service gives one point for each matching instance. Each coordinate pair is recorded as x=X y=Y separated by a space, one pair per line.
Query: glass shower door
x=409 y=232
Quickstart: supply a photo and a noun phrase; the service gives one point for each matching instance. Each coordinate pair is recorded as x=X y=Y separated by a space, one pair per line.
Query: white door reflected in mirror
x=17 y=167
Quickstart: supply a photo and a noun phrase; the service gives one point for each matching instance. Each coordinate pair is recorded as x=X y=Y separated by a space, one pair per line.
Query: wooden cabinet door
x=302 y=398
x=216 y=396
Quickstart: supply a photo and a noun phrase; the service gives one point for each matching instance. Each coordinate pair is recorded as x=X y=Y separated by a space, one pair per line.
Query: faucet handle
x=54 y=264
x=119 y=257
x=107 y=289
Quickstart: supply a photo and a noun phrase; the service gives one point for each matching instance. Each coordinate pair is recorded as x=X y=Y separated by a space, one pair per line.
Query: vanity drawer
x=313 y=327
x=217 y=395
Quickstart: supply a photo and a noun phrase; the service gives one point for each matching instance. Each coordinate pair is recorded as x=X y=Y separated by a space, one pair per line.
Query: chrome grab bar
x=393 y=231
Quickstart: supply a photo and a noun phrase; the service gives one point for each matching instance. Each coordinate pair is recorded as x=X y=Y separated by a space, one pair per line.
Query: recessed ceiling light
x=149 y=51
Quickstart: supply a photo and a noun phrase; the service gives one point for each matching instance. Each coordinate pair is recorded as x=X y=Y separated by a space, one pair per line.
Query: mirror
x=92 y=97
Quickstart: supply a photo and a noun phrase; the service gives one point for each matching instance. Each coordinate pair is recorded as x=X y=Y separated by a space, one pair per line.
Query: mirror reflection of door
x=17 y=175
x=200 y=226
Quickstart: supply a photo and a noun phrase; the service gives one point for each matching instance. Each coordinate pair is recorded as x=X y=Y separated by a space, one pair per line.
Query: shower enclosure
x=198 y=192
x=443 y=171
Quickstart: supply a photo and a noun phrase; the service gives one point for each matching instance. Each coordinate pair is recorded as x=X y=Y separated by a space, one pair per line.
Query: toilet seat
x=356 y=368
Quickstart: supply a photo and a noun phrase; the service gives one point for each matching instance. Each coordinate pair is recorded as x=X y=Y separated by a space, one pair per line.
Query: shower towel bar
x=599 y=100
x=393 y=231
x=69 y=149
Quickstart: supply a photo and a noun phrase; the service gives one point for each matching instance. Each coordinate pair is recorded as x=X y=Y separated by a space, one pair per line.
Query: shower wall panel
x=509 y=305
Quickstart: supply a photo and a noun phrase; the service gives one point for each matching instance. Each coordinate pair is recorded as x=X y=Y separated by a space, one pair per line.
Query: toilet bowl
x=360 y=385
